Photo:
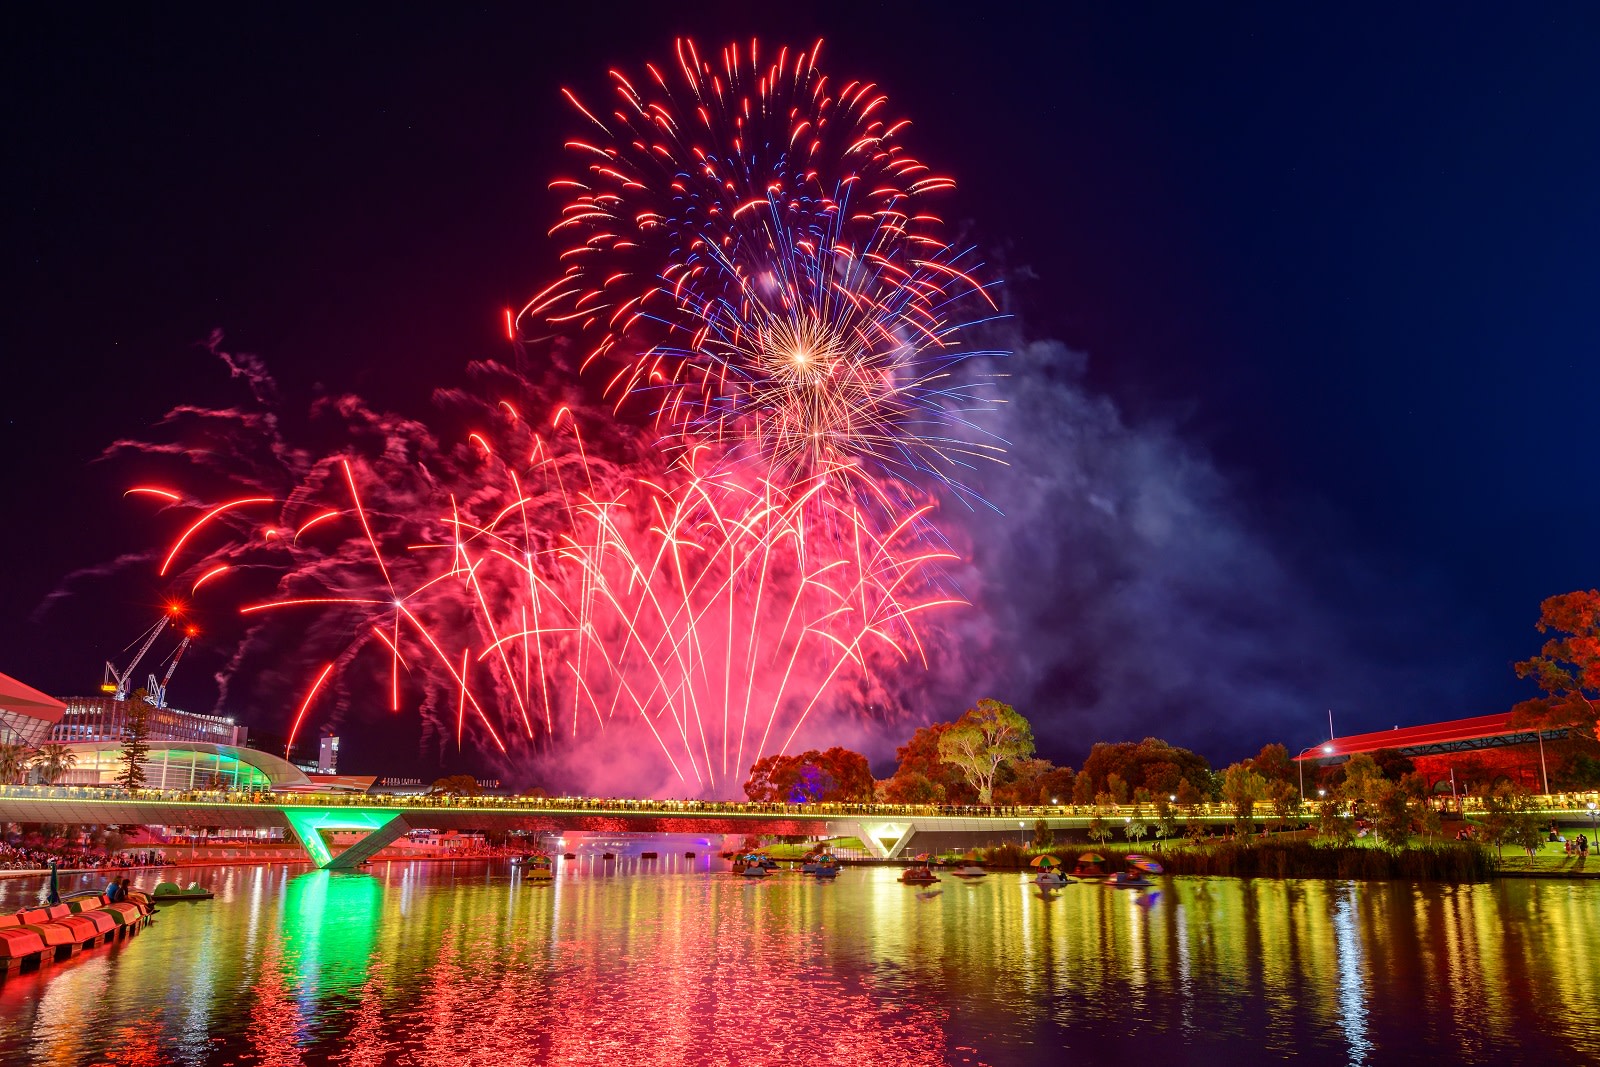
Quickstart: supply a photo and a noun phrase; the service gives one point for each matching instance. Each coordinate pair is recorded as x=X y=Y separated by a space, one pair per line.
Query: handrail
x=1578 y=803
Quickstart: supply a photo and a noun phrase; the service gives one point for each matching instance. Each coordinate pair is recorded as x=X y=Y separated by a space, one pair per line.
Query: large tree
x=1151 y=763
x=1034 y=781
x=1567 y=672
x=135 y=743
x=837 y=775
x=1243 y=788
x=984 y=740
x=919 y=761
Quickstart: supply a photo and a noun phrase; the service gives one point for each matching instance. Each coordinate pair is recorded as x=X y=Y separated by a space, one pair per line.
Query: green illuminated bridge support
x=381 y=827
x=886 y=830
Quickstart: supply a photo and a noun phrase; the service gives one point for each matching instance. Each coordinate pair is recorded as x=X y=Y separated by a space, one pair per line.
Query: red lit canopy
x=1457 y=735
x=25 y=713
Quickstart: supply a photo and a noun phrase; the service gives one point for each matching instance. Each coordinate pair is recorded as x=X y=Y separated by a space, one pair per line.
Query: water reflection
x=468 y=964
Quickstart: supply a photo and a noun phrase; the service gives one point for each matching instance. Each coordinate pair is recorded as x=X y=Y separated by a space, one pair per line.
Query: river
x=679 y=962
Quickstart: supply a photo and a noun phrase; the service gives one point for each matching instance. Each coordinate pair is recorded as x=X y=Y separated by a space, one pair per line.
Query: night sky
x=1324 y=283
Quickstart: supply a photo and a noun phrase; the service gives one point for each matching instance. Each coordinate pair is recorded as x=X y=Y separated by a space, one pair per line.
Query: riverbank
x=1292 y=858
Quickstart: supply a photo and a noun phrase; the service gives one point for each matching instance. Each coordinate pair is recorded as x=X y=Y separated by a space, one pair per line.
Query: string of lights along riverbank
x=702 y=519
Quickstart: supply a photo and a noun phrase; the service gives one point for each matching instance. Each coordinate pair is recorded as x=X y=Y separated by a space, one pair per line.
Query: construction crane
x=158 y=690
x=116 y=682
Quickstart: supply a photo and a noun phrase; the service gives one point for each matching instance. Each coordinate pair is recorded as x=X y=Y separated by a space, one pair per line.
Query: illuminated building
x=185 y=766
x=106 y=719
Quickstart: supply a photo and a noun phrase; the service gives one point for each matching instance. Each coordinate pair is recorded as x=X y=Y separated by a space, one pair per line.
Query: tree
x=985 y=739
x=1285 y=801
x=1151 y=763
x=1139 y=823
x=1166 y=817
x=1042 y=836
x=1392 y=765
x=1273 y=764
x=1189 y=798
x=14 y=760
x=1098 y=830
x=1495 y=824
x=1034 y=781
x=53 y=761
x=1242 y=787
x=835 y=776
x=456 y=785
x=1567 y=672
x=920 y=755
x=1363 y=781
x=135 y=743
x=909 y=787
x=1392 y=815
x=1332 y=823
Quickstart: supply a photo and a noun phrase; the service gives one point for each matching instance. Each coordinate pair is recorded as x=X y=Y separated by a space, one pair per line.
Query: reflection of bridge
x=886 y=830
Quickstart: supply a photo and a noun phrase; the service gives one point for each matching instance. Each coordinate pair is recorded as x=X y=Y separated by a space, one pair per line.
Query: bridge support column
x=382 y=827
x=885 y=840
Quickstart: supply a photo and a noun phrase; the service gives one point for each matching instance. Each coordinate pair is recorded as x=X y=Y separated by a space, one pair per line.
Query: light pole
x=1594 y=823
x=1327 y=750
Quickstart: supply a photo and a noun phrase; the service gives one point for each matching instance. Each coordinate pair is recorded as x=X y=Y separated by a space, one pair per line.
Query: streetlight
x=1327 y=750
x=1594 y=823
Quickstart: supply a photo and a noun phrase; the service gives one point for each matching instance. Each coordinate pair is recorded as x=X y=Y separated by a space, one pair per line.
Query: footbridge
x=888 y=831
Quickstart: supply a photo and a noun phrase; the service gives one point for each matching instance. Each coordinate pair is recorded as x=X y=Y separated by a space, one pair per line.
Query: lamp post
x=1327 y=750
x=1594 y=823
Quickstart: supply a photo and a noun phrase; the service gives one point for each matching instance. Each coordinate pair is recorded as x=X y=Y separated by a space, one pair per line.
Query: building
x=26 y=715
x=1451 y=755
x=328 y=755
x=106 y=719
x=186 y=766
x=303 y=755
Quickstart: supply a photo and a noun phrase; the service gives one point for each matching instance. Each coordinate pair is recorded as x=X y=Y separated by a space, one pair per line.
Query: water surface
x=679 y=962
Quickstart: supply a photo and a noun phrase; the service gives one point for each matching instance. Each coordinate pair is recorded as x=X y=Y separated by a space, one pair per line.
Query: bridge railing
x=1580 y=804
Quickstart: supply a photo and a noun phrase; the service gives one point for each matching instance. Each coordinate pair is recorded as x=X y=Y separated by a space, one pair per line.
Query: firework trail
x=721 y=522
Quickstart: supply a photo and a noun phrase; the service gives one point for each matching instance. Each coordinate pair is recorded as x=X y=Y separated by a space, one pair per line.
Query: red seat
x=102 y=920
x=19 y=941
x=83 y=929
x=53 y=934
x=9 y=920
x=125 y=913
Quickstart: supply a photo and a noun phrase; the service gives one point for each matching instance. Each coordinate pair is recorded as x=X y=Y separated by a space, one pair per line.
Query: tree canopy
x=984 y=740
x=456 y=785
x=837 y=775
x=1567 y=672
x=922 y=777
x=1151 y=763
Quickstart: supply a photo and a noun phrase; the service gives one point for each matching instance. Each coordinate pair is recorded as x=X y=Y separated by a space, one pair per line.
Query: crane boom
x=120 y=691
x=160 y=691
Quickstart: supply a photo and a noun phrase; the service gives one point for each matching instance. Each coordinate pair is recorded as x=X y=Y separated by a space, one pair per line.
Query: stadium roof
x=26 y=712
x=1457 y=735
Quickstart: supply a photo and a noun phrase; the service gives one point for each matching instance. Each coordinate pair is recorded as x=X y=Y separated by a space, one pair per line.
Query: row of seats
x=75 y=923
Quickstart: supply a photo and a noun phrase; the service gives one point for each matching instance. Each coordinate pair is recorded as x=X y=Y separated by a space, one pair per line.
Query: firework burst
x=754 y=257
x=753 y=274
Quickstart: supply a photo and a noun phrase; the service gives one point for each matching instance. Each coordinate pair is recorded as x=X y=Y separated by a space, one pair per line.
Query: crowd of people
x=37 y=857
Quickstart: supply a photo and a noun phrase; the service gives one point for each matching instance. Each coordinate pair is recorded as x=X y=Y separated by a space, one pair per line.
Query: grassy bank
x=1270 y=858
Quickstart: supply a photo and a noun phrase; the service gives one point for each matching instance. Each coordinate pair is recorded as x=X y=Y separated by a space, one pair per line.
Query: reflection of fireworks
x=776 y=296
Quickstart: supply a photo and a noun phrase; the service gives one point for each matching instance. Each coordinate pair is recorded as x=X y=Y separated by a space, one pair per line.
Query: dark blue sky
x=1346 y=263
